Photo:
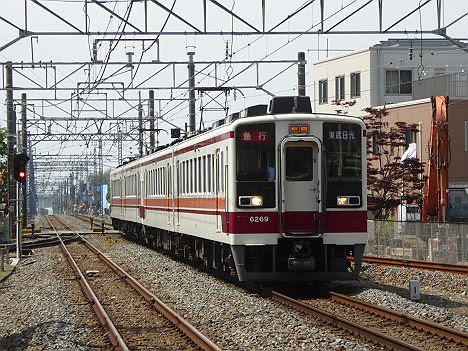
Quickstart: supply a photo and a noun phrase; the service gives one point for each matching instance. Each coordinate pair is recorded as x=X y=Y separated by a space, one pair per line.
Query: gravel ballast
x=43 y=308
x=230 y=316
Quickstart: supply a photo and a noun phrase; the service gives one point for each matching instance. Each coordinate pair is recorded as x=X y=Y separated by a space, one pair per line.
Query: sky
x=277 y=79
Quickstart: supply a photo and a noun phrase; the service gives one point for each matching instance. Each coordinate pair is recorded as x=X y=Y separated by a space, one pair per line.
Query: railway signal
x=19 y=167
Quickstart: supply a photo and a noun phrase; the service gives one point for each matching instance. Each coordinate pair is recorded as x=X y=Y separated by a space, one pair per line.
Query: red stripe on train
x=268 y=222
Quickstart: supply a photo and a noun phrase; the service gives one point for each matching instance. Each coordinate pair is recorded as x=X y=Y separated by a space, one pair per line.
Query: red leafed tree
x=390 y=181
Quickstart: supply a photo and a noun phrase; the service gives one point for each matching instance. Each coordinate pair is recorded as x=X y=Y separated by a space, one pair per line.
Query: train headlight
x=351 y=200
x=251 y=201
x=342 y=201
x=257 y=201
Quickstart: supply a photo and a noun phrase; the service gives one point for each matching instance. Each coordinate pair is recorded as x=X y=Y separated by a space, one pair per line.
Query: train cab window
x=299 y=161
x=255 y=162
x=343 y=160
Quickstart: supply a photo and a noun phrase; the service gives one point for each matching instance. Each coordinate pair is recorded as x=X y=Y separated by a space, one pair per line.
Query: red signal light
x=19 y=165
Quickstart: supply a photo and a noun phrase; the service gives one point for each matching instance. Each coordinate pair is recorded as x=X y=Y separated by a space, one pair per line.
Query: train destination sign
x=255 y=136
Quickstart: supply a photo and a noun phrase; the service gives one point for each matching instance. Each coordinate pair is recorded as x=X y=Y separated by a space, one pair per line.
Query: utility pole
x=32 y=185
x=191 y=81
x=11 y=136
x=151 y=118
x=301 y=86
x=24 y=142
x=119 y=145
x=140 y=126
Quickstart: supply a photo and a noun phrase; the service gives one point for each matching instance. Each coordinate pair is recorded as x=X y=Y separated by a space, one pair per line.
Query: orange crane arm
x=435 y=192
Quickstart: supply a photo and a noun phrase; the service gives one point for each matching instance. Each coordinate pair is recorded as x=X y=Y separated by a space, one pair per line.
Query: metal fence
x=445 y=243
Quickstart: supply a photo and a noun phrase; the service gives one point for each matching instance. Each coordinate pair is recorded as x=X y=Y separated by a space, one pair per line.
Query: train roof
x=279 y=108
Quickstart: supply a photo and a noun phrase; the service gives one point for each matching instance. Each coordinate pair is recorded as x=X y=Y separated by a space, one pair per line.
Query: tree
x=390 y=181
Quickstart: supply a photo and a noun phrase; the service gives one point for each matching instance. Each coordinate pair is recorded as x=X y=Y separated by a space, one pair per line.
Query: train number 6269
x=259 y=219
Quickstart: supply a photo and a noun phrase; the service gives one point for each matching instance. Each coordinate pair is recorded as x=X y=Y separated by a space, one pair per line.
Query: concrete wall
x=344 y=65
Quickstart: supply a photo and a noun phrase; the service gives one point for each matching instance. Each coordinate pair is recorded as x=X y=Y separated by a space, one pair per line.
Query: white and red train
x=275 y=193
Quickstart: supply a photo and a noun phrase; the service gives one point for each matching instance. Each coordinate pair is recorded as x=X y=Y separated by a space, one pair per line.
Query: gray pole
x=11 y=136
x=151 y=118
x=140 y=126
x=301 y=86
x=24 y=142
x=32 y=185
x=191 y=81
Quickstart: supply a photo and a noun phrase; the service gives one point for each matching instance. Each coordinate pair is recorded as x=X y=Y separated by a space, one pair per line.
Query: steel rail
x=434 y=328
x=191 y=332
x=25 y=245
x=367 y=333
x=428 y=265
x=106 y=322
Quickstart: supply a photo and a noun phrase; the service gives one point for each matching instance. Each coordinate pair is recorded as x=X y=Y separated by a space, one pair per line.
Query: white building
x=384 y=73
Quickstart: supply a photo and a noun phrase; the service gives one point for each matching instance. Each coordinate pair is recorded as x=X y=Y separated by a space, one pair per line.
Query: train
x=273 y=193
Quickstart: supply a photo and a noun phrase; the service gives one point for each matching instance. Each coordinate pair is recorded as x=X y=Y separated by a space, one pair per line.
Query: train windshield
x=343 y=151
x=255 y=160
x=343 y=160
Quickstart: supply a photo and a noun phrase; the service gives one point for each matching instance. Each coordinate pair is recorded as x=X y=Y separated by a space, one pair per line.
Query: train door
x=169 y=194
x=178 y=192
x=122 y=195
x=300 y=186
x=217 y=174
x=141 y=194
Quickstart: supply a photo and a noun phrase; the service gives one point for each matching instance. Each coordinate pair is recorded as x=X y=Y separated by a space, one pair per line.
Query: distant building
x=420 y=112
x=387 y=73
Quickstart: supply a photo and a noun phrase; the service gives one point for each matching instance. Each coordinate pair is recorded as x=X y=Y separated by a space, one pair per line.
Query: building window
x=398 y=81
x=339 y=88
x=439 y=71
x=323 y=91
x=410 y=137
x=375 y=144
x=355 y=84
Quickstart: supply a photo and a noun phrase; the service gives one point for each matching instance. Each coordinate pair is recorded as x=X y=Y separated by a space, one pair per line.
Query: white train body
x=276 y=197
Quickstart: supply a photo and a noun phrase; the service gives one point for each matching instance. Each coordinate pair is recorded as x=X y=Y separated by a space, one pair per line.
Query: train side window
x=169 y=180
x=222 y=172
x=190 y=176
x=213 y=172
x=165 y=180
x=200 y=174
x=158 y=181
x=183 y=177
x=195 y=173
x=204 y=174
x=209 y=173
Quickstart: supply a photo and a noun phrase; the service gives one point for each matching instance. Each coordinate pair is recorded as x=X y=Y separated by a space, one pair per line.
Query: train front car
x=300 y=195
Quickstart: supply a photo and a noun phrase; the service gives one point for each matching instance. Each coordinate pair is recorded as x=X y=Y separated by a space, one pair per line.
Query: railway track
x=385 y=327
x=428 y=265
x=128 y=317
